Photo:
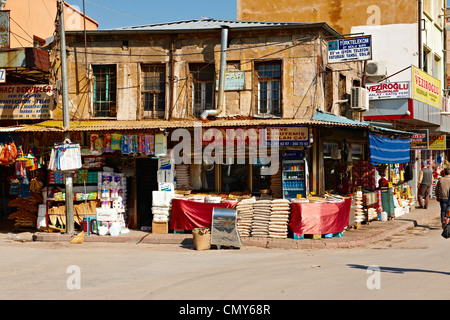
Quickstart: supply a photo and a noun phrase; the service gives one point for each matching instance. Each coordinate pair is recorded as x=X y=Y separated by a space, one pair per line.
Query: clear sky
x=122 y=13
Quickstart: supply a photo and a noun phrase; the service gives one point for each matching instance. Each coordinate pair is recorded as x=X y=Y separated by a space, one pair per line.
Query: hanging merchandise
x=68 y=156
x=125 y=144
x=116 y=142
x=25 y=188
x=133 y=144
x=149 y=147
x=107 y=143
x=141 y=143
x=14 y=185
x=96 y=144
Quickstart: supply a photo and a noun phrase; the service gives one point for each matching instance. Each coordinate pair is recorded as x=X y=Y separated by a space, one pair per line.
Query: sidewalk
x=368 y=233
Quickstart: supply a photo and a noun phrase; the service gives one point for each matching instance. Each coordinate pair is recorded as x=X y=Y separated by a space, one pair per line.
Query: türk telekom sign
x=22 y=102
x=350 y=49
x=390 y=90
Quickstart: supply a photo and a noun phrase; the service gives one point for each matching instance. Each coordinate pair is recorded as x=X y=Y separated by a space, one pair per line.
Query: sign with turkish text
x=287 y=136
x=437 y=142
x=234 y=80
x=390 y=90
x=419 y=140
x=231 y=136
x=22 y=102
x=425 y=88
x=350 y=49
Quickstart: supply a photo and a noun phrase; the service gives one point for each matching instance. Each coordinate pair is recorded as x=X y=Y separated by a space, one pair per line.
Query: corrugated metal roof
x=208 y=25
x=123 y=125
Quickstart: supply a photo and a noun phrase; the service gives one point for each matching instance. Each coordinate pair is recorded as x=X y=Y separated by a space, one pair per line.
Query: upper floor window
x=203 y=77
x=105 y=81
x=269 y=88
x=154 y=91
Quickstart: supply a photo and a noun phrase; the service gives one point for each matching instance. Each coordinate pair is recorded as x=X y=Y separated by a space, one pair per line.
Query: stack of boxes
x=166 y=174
x=112 y=187
x=161 y=210
x=162 y=199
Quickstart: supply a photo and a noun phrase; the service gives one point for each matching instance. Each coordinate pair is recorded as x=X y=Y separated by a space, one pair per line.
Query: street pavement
x=367 y=233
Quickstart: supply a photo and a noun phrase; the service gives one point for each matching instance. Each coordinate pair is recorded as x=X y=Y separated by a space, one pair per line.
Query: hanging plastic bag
x=68 y=156
x=51 y=165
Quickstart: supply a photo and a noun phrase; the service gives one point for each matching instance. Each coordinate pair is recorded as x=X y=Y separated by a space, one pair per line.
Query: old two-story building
x=149 y=85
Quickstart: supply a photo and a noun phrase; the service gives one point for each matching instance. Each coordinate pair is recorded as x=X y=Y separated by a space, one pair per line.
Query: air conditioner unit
x=376 y=69
x=359 y=101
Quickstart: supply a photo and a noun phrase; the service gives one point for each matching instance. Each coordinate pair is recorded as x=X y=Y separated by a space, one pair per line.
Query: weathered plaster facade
x=305 y=74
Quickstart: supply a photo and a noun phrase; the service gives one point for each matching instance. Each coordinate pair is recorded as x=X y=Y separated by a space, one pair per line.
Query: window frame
x=195 y=69
x=159 y=90
x=270 y=80
x=109 y=92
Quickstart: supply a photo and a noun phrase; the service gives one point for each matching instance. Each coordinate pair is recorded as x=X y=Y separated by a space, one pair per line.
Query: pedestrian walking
x=443 y=194
x=424 y=186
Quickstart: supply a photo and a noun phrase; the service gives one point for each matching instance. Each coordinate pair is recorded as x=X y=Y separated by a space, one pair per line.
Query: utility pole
x=68 y=175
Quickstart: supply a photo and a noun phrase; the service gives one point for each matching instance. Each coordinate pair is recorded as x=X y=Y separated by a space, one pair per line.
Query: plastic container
x=114 y=229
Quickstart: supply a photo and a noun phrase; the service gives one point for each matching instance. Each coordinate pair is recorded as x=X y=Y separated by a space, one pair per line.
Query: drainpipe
x=223 y=64
x=419 y=33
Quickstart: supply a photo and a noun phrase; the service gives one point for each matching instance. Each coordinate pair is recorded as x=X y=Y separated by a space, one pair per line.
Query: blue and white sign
x=350 y=49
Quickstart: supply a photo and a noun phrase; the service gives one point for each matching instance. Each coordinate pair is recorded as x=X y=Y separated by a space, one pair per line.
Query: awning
x=334 y=120
x=388 y=151
x=125 y=125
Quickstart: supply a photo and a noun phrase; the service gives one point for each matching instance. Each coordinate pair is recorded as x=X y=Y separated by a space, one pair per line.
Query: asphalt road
x=414 y=264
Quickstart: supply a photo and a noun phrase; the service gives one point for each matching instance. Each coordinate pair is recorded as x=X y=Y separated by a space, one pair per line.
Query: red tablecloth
x=319 y=218
x=188 y=215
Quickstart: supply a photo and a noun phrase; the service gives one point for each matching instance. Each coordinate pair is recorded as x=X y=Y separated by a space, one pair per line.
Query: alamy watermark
x=227 y=146
x=374 y=280
x=74 y=280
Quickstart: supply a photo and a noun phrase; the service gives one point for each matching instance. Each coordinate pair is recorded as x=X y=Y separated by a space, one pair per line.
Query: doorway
x=146 y=182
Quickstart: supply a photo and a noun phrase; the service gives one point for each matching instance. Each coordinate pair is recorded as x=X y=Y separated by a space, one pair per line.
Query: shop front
x=141 y=176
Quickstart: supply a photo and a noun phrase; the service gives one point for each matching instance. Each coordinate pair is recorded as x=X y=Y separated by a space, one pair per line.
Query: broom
x=79 y=238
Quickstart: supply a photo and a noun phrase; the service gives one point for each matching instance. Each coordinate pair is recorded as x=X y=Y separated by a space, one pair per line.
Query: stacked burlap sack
x=279 y=218
x=244 y=212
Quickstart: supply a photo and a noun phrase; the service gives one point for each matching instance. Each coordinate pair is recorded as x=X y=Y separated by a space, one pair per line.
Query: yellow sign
x=425 y=88
x=436 y=142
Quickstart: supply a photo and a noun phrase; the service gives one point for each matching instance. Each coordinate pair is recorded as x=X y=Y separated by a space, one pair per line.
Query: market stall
x=188 y=214
x=320 y=218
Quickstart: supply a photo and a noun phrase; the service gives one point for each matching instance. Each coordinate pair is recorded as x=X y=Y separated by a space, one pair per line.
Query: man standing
x=425 y=179
x=442 y=194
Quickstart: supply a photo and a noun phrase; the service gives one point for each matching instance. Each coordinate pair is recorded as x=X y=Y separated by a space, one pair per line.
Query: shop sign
x=160 y=145
x=419 y=140
x=390 y=90
x=234 y=80
x=231 y=136
x=287 y=136
x=437 y=142
x=21 y=102
x=425 y=88
x=350 y=49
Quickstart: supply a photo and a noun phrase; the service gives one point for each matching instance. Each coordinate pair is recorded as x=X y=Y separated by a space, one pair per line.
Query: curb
x=371 y=232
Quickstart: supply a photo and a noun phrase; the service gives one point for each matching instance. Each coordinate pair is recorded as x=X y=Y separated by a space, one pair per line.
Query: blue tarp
x=388 y=151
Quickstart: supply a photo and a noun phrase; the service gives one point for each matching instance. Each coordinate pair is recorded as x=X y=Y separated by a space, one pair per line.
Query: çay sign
x=357 y=48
